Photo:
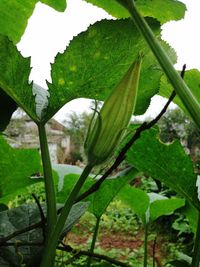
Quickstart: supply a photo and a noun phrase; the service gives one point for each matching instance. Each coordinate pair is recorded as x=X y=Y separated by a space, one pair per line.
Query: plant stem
x=94 y=238
x=154 y=251
x=188 y=99
x=50 y=248
x=48 y=180
x=145 y=244
x=196 y=252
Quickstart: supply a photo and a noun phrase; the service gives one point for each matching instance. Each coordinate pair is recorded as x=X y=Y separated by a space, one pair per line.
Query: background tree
x=176 y=125
x=76 y=126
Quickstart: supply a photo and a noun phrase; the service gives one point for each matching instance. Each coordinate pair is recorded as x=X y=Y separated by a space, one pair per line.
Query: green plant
x=101 y=70
x=148 y=208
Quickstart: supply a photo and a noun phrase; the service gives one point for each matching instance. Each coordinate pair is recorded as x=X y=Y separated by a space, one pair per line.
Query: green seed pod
x=107 y=128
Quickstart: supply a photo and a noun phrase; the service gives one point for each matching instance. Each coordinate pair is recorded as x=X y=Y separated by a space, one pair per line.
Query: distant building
x=23 y=133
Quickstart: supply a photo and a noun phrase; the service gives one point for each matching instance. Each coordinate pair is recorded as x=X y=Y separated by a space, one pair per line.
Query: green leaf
x=69 y=182
x=179 y=263
x=112 y=7
x=7 y=107
x=17 y=219
x=41 y=100
x=59 y=5
x=149 y=206
x=192 y=215
x=165 y=207
x=185 y=259
x=17 y=165
x=76 y=212
x=192 y=79
x=68 y=175
x=161 y=10
x=167 y=163
x=64 y=170
x=108 y=190
x=15 y=14
x=137 y=199
x=93 y=65
x=14 y=76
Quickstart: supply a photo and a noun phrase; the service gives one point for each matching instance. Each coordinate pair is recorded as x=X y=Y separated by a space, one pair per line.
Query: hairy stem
x=48 y=180
x=188 y=99
x=94 y=238
x=50 y=248
x=196 y=252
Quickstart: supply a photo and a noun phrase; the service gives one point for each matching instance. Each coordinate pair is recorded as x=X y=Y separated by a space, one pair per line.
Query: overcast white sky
x=48 y=32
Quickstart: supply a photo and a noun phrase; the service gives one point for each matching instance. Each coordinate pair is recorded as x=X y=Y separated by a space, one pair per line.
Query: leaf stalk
x=196 y=252
x=50 y=248
x=48 y=180
x=94 y=238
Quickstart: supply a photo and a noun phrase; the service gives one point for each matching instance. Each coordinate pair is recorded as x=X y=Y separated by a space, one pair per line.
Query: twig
x=22 y=244
x=80 y=253
x=122 y=155
x=3 y=240
x=42 y=216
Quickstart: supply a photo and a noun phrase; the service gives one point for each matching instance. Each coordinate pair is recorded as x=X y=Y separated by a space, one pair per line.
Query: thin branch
x=42 y=216
x=3 y=240
x=79 y=253
x=122 y=155
x=22 y=244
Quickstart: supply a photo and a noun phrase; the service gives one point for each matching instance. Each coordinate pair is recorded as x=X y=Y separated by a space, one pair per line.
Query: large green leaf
x=192 y=215
x=17 y=165
x=148 y=207
x=7 y=107
x=14 y=76
x=161 y=10
x=165 y=207
x=191 y=77
x=68 y=175
x=97 y=59
x=24 y=216
x=167 y=163
x=14 y=15
x=108 y=190
x=17 y=219
x=137 y=199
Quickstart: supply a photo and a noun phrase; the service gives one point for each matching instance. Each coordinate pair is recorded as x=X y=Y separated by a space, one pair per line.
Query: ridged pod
x=111 y=122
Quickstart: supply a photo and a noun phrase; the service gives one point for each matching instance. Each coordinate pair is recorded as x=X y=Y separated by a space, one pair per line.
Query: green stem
x=48 y=180
x=94 y=238
x=145 y=244
x=188 y=99
x=196 y=252
x=50 y=248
